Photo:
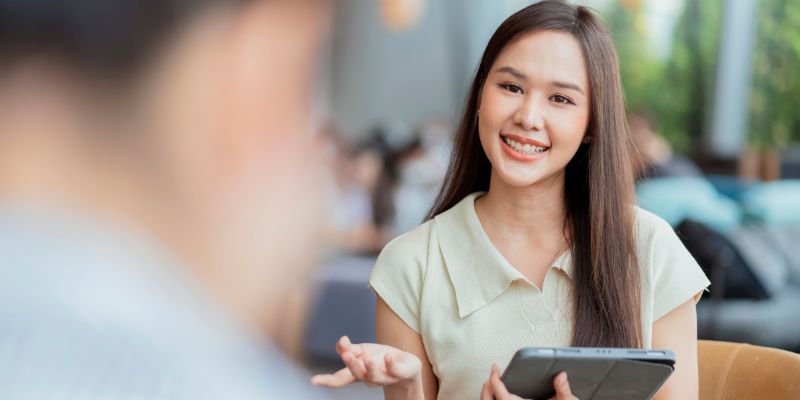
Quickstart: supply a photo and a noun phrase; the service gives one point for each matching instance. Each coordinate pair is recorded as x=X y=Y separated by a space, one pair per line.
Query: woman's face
x=534 y=108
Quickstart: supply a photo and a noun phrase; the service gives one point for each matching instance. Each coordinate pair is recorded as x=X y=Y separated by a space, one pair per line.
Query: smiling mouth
x=522 y=148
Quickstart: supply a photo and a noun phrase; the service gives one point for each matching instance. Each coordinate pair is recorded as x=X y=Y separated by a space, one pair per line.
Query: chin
x=515 y=177
x=518 y=179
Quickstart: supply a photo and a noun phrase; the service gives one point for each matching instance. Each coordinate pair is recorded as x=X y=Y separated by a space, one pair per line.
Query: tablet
x=594 y=373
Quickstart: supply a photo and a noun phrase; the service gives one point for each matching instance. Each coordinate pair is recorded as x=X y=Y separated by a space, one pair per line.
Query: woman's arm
x=392 y=331
x=677 y=331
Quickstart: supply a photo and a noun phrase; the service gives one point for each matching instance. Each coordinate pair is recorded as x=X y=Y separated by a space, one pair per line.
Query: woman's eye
x=561 y=99
x=511 y=88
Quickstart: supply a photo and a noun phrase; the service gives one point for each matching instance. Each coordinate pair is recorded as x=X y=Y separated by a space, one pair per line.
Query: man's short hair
x=103 y=38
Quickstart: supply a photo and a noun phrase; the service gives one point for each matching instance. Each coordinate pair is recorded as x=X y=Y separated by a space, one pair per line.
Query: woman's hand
x=373 y=364
x=494 y=389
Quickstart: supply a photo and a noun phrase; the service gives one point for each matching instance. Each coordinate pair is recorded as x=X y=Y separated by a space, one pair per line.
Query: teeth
x=523 y=148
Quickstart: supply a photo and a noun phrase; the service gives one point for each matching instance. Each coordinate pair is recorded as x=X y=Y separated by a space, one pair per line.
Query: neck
x=535 y=212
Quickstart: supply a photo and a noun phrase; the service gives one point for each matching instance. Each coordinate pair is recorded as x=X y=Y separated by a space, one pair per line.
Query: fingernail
x=562 y=379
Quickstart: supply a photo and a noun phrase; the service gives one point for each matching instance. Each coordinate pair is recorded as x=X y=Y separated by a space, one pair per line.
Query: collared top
x=447 y=282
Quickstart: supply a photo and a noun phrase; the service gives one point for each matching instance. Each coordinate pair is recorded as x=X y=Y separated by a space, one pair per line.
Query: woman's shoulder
x=670 y=272
x=659 y=246
x=417 y=242
x=649 y=226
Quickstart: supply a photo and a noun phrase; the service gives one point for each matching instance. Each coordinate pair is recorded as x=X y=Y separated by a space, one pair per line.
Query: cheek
x=495 y=112
x=567 y=130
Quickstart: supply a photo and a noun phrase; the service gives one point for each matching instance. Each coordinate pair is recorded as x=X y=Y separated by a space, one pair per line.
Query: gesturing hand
x=373 y=364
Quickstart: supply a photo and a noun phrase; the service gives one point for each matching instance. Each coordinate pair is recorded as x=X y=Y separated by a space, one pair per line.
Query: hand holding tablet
x=594 y=373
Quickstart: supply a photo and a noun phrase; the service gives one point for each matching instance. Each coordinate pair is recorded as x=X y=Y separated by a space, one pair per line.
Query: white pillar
x=730 y=122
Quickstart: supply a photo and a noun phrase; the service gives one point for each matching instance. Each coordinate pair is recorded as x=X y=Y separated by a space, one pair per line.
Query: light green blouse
x=447 y=281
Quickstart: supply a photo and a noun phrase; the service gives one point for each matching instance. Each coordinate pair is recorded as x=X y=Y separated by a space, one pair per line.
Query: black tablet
x=594 y=373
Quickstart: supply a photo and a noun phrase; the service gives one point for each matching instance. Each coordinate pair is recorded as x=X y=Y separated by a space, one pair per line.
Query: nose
x=529 y=116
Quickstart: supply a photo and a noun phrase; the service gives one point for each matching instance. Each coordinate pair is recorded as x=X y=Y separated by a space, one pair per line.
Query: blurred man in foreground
x=157 y=195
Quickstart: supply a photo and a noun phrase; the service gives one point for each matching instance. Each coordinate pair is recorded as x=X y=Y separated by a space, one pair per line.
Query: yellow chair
x=734 y=371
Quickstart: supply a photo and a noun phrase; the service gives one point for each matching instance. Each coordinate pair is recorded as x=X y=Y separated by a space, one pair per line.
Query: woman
x=534 y=239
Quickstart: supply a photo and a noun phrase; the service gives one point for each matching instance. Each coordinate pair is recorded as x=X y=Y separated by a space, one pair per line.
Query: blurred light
x=401 y=15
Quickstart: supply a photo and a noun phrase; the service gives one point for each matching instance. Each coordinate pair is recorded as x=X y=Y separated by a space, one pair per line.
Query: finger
x=355 y=365
x=391 y=367
x=374 y=374
x=338 y=379
x=359 y=348
x=343 y=345
x=486 y=392
x=561 y=384
x=346 y=345
x=498 y=387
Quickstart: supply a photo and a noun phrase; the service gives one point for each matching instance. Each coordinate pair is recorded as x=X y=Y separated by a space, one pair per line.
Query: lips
x=523 y=140
x=524 y=150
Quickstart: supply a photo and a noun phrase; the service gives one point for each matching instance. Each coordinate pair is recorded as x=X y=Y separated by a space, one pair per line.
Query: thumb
x=561 y=384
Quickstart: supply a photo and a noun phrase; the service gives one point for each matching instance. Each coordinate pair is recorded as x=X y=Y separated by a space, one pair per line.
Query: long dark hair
x=598 y=187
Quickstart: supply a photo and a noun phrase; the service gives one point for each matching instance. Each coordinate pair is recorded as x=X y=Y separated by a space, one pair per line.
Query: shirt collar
x=477 y=270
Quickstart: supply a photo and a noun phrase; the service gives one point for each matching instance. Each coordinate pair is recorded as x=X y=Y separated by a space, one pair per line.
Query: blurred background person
x=421 y=165
x=382 y=187
x=158 y=195
x=656 y=158
x=361 y=180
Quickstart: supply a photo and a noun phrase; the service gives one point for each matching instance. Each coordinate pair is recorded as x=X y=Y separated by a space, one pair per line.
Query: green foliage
x=676 y=93
x=775 y=97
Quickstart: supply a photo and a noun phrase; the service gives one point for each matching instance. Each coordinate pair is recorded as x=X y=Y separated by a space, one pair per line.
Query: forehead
x=546 y=56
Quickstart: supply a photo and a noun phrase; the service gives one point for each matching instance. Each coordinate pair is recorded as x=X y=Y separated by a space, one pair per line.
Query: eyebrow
x=519 y=75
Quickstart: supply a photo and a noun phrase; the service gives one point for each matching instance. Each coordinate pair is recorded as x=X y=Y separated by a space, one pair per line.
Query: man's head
x=190 y=117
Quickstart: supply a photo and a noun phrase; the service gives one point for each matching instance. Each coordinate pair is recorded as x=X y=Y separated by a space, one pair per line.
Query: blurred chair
x=344 y=305
x=762 y=223
x=732 y=187
x=772 y=203
x=677 y=198
x=734 y=371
